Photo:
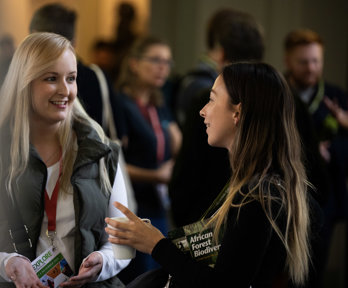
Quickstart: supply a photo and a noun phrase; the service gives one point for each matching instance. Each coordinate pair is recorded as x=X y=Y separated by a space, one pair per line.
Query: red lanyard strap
x=150 y=114
x=156 y=125
x=51 y=204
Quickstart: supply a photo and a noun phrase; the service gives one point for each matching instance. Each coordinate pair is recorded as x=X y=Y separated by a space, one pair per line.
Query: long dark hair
x=267 y=149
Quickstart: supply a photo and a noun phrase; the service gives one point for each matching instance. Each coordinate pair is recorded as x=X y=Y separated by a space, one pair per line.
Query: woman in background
x=150 y=138
x=265 y=216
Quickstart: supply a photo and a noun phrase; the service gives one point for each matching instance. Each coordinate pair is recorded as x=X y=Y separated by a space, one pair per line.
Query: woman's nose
x=63 y=88
x=201 y=113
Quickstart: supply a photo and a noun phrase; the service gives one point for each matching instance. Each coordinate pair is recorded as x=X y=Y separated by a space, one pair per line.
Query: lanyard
x=51 y=206
x=219 y=200
x=318 y=97
x=156 y=125
x=150 y=113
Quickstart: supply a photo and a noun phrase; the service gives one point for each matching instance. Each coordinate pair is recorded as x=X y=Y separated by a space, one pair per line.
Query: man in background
x=231 y=36
x=201 y=171
x=326 y=141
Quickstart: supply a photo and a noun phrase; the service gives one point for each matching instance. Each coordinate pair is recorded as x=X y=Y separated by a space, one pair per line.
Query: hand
x=340 y=115
x=324 y=151
x=89 y=270
x=20 y=271
x=164 y=172
x=135 y=233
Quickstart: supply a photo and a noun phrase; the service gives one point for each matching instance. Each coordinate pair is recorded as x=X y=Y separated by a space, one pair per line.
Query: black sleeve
x=240 y=258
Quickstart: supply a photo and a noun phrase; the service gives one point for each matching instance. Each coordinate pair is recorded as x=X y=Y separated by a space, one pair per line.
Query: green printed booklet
x=52 y=268
x=197 y=239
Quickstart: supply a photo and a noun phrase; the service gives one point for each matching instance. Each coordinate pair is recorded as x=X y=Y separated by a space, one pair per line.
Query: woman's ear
x=236 y=113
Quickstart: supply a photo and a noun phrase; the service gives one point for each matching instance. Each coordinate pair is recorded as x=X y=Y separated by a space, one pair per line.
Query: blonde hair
x=32 y=58
x=266 y=156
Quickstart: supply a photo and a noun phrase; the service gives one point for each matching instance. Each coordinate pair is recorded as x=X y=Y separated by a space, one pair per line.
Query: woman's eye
x=71 y=78
x=50 y=79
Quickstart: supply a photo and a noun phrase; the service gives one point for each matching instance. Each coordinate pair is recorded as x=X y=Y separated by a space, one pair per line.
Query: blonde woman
x=265 y=215
x=58 y=170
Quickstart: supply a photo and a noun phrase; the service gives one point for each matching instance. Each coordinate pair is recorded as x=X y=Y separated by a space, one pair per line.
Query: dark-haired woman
x=265 y=216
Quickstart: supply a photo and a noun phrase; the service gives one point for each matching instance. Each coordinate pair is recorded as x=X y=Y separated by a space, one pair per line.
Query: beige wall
x=96 y=19
x=14 y=18
x=182 y=23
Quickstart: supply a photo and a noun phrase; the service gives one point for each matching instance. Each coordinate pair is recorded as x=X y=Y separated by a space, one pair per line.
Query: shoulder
x=90 y=140
x=335 y=92
x=203 y=75
x=91 y=148
x=86 y=74
x=199 y=79
x=115 y=147
x=269 y=188
x=264 y=199
x=124 y=100
x=330 y=87
x=112 y=159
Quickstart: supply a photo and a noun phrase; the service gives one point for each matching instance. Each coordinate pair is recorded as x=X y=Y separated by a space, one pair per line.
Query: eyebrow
x=56 y=73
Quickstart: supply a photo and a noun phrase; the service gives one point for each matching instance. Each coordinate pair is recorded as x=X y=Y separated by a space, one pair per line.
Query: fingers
x=85 y=275
x=332 y=105
x=93 y=259
x=22 y=274
x=118 y=240
x=129 y=214
x=26 y=283
x=71 y=284
x=117 y=233
x=81 y=277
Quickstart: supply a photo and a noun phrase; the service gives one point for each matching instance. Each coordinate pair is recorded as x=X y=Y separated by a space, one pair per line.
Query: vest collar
x=90 y=146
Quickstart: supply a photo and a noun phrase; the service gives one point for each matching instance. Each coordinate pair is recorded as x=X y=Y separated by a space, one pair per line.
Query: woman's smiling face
x=53 y=93
x=220 y=116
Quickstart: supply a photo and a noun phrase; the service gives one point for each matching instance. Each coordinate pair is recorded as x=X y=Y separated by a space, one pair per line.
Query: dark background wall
x=183 y=22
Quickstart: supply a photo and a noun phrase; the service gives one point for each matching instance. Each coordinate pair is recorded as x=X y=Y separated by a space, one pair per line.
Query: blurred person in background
x=150 y=138
x=102 y=54
x=7 y=49
x=201 y=171
x=324 y=139
x=125 y=36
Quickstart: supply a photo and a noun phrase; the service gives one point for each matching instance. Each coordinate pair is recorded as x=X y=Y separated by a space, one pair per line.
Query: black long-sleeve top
x=251 y=253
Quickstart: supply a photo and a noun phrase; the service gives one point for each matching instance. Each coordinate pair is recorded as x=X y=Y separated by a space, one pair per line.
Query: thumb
x=91 y=260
